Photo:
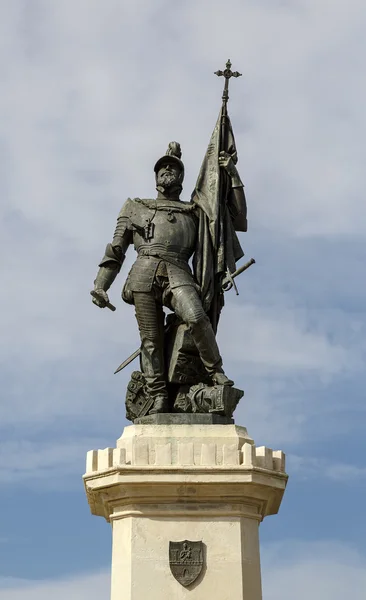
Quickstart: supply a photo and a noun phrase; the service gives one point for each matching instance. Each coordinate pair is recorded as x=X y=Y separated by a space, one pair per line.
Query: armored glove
x=227 y=163
x=102 y=300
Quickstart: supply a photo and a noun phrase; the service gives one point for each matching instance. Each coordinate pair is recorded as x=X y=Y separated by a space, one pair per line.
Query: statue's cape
x=218 y=247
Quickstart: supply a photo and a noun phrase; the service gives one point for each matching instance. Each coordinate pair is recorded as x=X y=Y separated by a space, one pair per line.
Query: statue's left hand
x=227 y=163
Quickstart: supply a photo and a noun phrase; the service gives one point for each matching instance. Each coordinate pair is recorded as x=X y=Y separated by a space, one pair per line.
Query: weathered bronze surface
x=184 y=419
x=181 y=366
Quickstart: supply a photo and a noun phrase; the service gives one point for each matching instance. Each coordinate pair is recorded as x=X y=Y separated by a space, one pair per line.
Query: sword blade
x=128 y=361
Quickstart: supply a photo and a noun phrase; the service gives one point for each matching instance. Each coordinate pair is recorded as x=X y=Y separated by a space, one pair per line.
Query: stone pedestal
x=195 y=483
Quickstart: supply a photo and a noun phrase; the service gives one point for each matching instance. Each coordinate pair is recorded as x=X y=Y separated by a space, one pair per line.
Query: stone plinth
x=168 y=483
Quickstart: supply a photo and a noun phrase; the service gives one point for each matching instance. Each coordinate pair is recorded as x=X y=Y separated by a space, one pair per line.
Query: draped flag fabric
x=218 y=247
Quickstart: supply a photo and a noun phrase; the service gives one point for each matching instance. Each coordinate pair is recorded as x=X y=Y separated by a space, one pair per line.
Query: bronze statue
x=181 y=366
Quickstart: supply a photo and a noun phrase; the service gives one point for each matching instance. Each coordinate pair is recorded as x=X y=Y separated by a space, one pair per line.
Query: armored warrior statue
x=166 y=233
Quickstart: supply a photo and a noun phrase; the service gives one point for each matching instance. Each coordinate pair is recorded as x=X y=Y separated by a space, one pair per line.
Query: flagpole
x=227 y=74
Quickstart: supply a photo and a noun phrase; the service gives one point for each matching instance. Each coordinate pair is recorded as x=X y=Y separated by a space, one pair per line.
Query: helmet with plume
x=172 y=156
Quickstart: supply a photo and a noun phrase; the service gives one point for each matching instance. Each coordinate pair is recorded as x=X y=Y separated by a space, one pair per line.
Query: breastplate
x=170 y=225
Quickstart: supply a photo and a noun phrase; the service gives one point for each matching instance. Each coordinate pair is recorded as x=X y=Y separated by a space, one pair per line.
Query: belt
x=165 y=252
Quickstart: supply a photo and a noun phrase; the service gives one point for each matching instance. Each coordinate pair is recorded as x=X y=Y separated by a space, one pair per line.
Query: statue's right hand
x=102 y=298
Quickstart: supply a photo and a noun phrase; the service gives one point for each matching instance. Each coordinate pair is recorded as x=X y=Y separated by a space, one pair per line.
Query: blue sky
x=92 y=92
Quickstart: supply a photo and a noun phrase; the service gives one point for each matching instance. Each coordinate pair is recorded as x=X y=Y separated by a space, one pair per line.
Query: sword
x=229 y=282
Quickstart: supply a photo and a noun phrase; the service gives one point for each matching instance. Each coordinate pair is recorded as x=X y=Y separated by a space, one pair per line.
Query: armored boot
x=160 y=405
x=205 y=340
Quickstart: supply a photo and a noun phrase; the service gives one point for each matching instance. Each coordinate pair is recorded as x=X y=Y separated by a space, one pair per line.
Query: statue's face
x=168 y=176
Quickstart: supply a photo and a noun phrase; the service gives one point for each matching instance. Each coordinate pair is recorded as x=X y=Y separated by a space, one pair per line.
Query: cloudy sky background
x=92 y=92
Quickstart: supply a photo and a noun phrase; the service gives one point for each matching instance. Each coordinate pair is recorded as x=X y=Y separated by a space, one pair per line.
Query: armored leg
x=150 y=319
x=188 y=306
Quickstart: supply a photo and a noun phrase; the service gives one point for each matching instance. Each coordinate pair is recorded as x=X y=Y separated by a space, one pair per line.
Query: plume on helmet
x=174 y=150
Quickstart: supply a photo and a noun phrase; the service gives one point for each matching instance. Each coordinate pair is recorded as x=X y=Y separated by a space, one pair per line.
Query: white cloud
x=308 y=467
x=279 y=339
x=302 y=114
x=315 y=570
x=45 y=464
x=82 y=587
x=100 y=108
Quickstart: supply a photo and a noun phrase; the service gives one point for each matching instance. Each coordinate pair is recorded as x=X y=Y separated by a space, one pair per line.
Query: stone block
x=279 y=461
x=105 y=459
x=119 y=457
x=208 y=454
x=185 y=453
x=91 y=461
x=140 y=453
x=264 y=457
x=231 y=454
x=248 y=451
x=163 y=454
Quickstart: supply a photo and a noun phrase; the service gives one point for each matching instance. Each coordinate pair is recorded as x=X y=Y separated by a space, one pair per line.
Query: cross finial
x=227 y=73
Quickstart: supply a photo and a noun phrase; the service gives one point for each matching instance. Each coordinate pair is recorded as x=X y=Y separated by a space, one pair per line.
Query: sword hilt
x=228 y=281
x=98 y=297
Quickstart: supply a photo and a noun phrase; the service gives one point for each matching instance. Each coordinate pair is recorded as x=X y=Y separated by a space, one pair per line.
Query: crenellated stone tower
x=185 y=502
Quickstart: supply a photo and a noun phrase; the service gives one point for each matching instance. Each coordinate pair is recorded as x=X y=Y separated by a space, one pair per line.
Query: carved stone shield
x=186 y=561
